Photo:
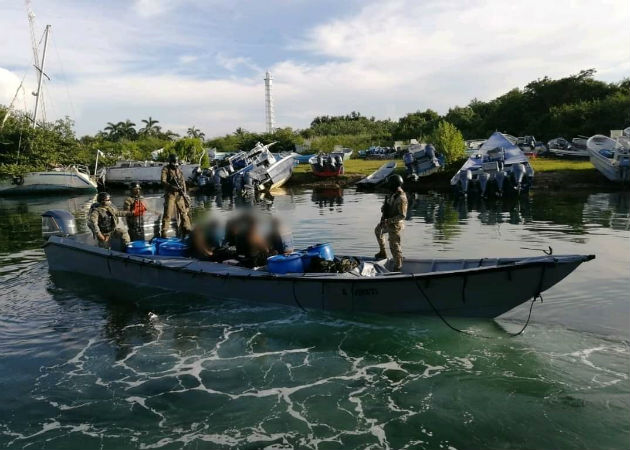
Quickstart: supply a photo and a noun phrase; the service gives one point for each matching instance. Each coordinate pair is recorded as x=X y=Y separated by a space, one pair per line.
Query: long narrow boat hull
x=471 y=288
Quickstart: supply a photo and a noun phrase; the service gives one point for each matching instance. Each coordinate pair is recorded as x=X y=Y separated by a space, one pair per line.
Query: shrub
x=448 y=140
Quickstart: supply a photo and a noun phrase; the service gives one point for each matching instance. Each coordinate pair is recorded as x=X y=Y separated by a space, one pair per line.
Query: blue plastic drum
x=285 y=264
x=324 y=251
x=173 y=248
x=140 y=248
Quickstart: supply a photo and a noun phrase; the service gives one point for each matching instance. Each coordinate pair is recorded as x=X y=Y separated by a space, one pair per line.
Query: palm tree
x=171 y=135
x=113 y=130
x=195 y=132
x=126 y=129
x=150 y=126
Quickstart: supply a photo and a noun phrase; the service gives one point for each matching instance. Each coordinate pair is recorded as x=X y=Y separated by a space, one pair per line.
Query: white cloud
x=232 y=63
x=387 y=59
x=9 y=83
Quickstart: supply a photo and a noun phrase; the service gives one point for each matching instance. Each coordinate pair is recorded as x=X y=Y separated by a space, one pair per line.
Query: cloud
x=385 y=58
x=9 y=83
x=232 y=63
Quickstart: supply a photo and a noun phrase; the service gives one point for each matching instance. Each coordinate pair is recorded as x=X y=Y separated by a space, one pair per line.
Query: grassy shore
x=550 y=173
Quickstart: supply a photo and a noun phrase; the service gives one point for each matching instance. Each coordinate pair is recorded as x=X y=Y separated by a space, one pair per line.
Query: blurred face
x=136 y=191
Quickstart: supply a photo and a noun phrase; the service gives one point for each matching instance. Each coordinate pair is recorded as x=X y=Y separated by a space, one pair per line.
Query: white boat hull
x=62 y=181
x=143 y=172
x=569 y=153
x=615 y=166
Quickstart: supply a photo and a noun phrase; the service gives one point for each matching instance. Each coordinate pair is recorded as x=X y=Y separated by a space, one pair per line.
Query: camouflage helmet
x=135 y=186
x=102 y=197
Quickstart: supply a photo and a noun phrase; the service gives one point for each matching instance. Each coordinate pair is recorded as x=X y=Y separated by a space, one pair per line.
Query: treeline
x=545 y=108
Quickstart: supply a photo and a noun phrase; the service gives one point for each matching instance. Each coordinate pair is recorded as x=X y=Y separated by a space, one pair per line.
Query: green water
x=89 y=365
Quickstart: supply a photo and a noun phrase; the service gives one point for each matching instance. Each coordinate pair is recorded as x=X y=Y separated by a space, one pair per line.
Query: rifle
x=182 y=192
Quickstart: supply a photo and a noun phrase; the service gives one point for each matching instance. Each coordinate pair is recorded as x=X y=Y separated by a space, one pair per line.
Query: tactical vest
x=174 y=177
x=389 y=207
x=106 y=219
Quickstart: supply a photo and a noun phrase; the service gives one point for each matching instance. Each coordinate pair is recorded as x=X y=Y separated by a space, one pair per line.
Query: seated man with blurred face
x=280 y=239
x=250 y=244
x=207 y=240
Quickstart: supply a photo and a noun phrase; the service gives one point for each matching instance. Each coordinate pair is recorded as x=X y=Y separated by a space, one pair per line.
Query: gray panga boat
x=486 y=287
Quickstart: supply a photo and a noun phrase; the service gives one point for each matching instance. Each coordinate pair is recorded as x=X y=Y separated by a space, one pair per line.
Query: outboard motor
x=464 y=179
x=529 y=171
x=499 y=177
x=57 y=222
x=483 y=178
x=518 y=172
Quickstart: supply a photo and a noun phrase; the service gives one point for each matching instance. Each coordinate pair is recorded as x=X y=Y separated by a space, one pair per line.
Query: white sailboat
x=73 y=178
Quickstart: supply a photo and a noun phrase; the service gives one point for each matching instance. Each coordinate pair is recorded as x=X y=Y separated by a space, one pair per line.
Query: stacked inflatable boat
x=499 y=167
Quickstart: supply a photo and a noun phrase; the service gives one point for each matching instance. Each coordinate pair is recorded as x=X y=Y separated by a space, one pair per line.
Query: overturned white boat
x=499 y=166
x=378 y=176
x=422 y=161
x=610 y=156
x=485 y=287
x=257 y=169
x=70 y=179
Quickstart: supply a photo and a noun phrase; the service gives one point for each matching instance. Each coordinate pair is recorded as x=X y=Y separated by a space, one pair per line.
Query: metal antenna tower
x=268 y=103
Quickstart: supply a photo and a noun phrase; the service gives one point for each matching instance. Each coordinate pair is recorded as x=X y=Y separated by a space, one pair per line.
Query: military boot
x=381 y=255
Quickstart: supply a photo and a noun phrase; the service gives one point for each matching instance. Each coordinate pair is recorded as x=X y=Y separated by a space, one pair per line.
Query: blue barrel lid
x=139 y=244
x=290 y=257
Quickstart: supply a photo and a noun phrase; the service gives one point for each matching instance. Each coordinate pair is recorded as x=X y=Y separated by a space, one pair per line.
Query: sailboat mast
x=40 y=74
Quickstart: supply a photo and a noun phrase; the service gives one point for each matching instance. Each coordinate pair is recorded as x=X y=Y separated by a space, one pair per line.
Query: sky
x=202 y=63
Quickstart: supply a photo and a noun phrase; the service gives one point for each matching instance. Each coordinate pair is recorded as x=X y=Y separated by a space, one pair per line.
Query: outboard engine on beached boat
x=483 y=178
x=464 y=180
x=57 y=222
x=518 y=172
x=500 y=179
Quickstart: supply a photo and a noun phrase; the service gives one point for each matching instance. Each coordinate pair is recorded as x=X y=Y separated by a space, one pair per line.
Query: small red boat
x=327 y=165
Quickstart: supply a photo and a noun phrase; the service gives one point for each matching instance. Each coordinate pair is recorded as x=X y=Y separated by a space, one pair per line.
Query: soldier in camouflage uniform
x=103 y=220
x=136 y=205
x=393 y=211
x=175 y=198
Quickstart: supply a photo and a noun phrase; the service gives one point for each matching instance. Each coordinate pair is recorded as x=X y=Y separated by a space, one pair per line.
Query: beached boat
x=563 y=148
x=530 y=146
x=326 y=165
x=424 y=161
x=378 y=176
x=143 y=172
x=485 y=287
x=71 y=179
x=303 y=159
x=345 y=153
x=611 y=157
x=498 y=166
x=472 y=145
x=256 y=169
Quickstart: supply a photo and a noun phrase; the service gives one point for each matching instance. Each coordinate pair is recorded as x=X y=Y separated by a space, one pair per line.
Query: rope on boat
x=537 y=296
x=295 y=296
